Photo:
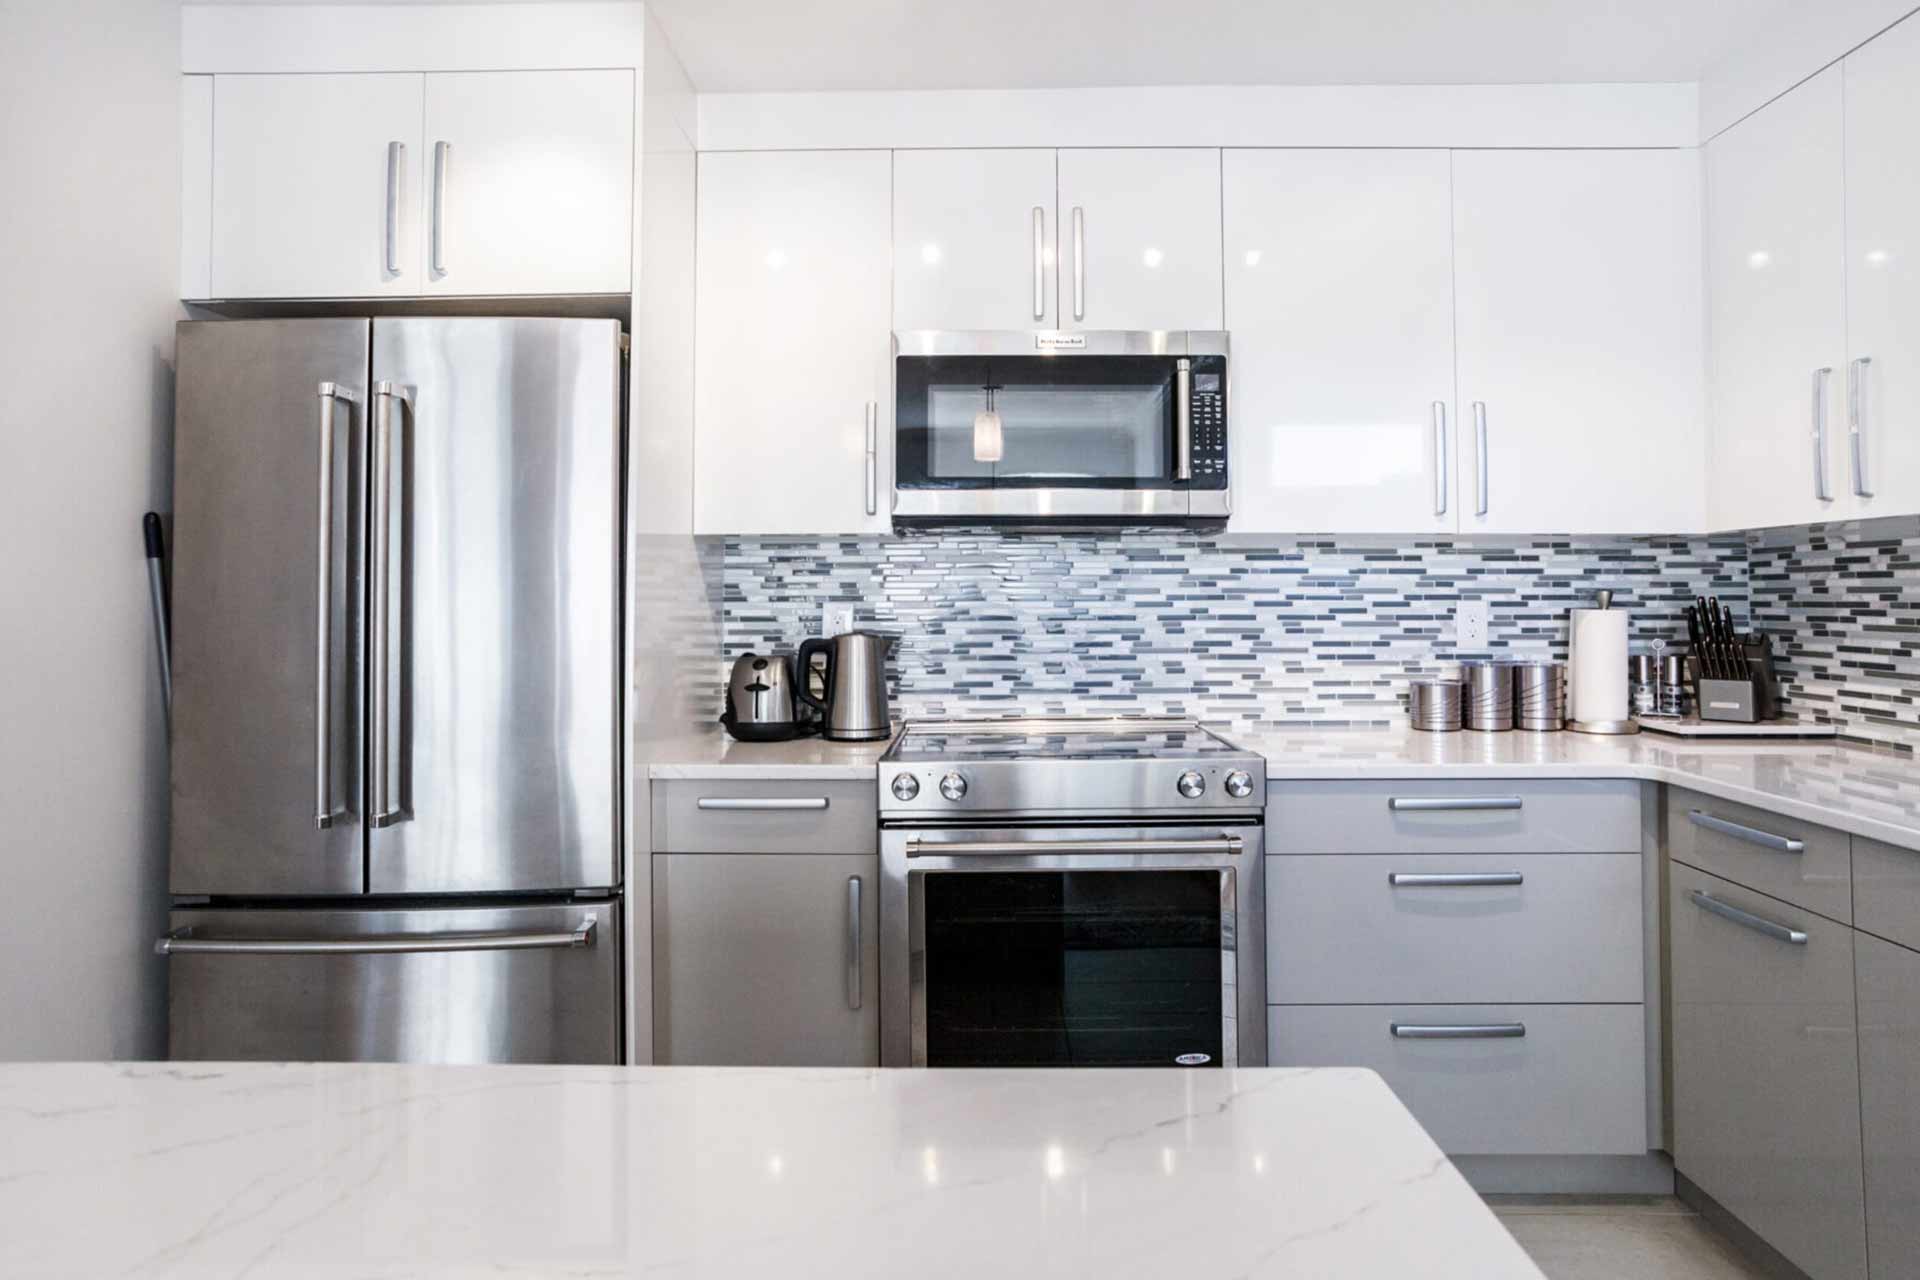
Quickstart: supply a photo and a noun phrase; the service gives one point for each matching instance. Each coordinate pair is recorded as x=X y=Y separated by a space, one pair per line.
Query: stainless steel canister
x=1438 y=706
x=1676 y=692
x=1540 y=696
x=1489 y=696
x=1643 y=684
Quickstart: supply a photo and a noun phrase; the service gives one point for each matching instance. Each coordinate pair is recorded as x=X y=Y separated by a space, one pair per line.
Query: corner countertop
x=199 y=1169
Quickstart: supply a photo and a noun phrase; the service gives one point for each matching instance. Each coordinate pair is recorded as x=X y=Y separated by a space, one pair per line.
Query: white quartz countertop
x=193 y=1169
x=713 y=755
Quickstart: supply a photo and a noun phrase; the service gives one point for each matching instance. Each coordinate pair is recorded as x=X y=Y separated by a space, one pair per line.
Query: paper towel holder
x=1603 y=598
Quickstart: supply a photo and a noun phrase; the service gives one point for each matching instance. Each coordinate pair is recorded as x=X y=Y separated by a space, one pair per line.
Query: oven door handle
x=1230 y=846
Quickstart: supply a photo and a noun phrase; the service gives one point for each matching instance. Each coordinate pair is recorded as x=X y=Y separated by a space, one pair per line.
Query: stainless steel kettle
x=760 y=703
x=854 y=708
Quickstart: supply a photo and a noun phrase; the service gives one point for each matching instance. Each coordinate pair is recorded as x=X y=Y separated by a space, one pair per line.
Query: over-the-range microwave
x=1060 y=428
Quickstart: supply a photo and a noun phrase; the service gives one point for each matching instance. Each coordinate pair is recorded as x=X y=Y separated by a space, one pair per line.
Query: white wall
x=88 y=143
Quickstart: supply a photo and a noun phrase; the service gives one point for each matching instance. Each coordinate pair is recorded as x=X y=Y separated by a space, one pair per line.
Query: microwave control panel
x=1209 y=408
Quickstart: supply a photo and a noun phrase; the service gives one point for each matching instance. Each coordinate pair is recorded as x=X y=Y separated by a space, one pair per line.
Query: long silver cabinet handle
x=1752 y=835
x=853 y=942
x=396 y=153
x=1079 y=263
x=918 y=848
x=768 y=804
x=436 y=230
x=1039 y=263
x=873 y=457
x=1822 y=489
x=1440 y=457
x=1857 y=404
x=1452 y=879
x=1747 y=920
x=1457 y=1031
x=1451 y=804
x=1183 y=419
x=183 y=942
x=382 y=813
x=1480 y=456
x=331 y=395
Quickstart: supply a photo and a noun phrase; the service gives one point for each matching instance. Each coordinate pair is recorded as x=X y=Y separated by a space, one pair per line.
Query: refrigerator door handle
x=331 y=394
x=382 y=812
x=183 y=942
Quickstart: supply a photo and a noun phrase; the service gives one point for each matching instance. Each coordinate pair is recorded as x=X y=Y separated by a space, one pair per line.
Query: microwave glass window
x=1051 y=433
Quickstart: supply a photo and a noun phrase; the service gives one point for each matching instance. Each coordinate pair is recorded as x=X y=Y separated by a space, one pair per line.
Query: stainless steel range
x=1071 y=892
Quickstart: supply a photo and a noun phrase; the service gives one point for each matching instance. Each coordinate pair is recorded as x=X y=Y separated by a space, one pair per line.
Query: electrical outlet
x=1470 y=624
x=836 y=620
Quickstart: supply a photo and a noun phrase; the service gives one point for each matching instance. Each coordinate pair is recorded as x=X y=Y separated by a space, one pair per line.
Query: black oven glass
x=1073 y=968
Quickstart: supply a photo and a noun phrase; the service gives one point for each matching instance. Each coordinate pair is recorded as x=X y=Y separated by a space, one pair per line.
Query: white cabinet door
x=1878 y=459
x=530 y=177
x=1579 y=297
x=791 y=344
x=316 y=186
x=1339 y=297
x=1140 y=238
x=1776 y=274
x=974 y=237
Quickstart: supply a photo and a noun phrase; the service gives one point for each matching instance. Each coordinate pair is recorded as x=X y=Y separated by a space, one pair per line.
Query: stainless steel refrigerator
x=395 y=755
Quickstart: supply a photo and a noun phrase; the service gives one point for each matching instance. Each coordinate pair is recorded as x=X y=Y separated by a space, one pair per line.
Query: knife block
x=1743 y=701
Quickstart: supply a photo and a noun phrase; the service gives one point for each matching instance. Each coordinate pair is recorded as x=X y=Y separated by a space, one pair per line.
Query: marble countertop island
x=196 y=1169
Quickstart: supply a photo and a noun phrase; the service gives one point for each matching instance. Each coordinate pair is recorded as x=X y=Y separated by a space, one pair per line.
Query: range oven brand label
x=1060 y=341
x=1194 y=1059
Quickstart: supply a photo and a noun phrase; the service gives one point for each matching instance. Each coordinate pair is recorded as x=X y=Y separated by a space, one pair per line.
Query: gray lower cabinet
x=766 y=959
x=1889 y=978
x=1766 y=1075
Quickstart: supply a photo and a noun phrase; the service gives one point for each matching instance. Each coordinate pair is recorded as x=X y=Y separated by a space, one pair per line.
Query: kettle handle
x=803 y=682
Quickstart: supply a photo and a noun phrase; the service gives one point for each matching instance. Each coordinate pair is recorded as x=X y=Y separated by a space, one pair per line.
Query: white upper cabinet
x=529 y=182
x=1339 y=298
x=974 y=237
x=791 y=344
x=1776 y=269
x=316 y=186
x=1877 y=458
x=1579 y=337
x=1140 y=238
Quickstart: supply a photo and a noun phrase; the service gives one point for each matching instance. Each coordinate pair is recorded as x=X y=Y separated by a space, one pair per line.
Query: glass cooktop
x=1056 y=739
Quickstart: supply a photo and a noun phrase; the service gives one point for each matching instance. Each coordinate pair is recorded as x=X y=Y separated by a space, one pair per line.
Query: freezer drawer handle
x=183 y=942
x=1458 y=1031
x=331 y=394
x=1747 y=920
x=1451 y=879
x=763 y=803
x=1451 y=804
x=918 y=848
x=1752 y=835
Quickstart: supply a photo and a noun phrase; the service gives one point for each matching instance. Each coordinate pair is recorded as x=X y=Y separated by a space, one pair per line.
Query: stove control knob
x=1239 y=785
x=905 y=786
x=1192 y=785
x=953 y=786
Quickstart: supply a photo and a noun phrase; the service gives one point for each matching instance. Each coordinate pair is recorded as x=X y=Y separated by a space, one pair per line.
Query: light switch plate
x=1470 y=624
x=836 y=620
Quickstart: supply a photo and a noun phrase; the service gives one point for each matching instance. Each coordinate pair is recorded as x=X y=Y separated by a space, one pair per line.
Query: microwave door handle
x=1183 y=419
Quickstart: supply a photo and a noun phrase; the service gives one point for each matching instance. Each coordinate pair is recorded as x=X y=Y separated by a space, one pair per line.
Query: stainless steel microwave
x=1069 y=428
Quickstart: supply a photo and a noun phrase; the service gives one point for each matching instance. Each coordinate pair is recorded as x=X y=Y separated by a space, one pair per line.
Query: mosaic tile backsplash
x=1296 y=631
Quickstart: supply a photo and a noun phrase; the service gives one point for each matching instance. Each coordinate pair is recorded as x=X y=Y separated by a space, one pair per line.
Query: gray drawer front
x=763 y=816
x=1742 y=844
x=1886 y=891
x=1890 y=1103
x=1766 y=1086
x=1339 y=931
x=1574 y=1084
x=1493 y=816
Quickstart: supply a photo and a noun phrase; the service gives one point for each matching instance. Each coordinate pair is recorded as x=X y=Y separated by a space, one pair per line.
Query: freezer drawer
x=445 y=984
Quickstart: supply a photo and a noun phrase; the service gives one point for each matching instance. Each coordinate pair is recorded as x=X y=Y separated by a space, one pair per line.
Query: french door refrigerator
x=396 y=691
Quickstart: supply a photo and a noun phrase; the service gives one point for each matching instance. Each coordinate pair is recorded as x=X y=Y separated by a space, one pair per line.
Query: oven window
x=1084 y=422
x=1073 y=968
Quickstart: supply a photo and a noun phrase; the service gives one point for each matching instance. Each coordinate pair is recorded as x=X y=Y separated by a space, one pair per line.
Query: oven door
x=1073 y=946
x=1126 y=429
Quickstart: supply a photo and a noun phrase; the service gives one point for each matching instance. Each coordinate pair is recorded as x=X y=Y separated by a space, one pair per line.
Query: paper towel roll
x=1597 y=652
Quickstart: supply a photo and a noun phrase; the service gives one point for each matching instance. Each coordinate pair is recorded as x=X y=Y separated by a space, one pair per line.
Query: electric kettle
x=760 y=704
x=855 y=681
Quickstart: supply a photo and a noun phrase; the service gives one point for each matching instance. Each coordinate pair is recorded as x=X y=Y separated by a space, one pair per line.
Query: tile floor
x=1616 y=1237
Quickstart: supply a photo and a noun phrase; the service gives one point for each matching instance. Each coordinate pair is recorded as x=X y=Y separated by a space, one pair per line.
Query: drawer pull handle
x=1752 y=835
x=186 y=942
x=1457 y=1031
x=1747 y=920
x=1451 y=804
x=1452 y=879
x=768 y=804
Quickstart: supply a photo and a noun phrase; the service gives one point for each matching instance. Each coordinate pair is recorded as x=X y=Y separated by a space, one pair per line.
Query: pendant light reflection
x=989 y=445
